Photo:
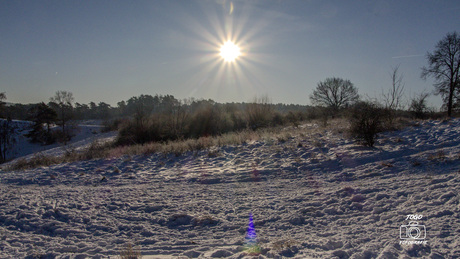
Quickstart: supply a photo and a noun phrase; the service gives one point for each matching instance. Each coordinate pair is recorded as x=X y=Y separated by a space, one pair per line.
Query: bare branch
x=443 y=66
x=335 y=93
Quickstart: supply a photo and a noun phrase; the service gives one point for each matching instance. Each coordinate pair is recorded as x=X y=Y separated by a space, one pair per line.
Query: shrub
x=418 y=106
x=294 y=118
x=113 y=124
x=277 y=119
x=139 y=132
x=197 y=119
x=389 y=118
x=259 y=113
x=238 y=121
x=366 y=122
x=95 y=150
x=38 y=135
x=207 y=121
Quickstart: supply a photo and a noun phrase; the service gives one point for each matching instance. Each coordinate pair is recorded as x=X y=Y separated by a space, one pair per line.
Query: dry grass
x=439 y=156
x=273 y=135
x=36 y=161
x=386 y=164
x=204 y=220
x=280 y=245
x=130 y=252
x=94 y=151
x=98 y=150
x=253 y=250
x=415 y=163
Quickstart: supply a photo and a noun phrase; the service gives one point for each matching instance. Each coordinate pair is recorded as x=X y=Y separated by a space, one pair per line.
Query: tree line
x=172 y=116
x=104 y=111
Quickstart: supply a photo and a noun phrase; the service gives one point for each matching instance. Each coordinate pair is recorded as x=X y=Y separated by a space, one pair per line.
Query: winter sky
x=113 y=50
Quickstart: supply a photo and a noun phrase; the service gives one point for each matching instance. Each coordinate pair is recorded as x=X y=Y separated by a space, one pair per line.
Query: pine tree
x=42 y=114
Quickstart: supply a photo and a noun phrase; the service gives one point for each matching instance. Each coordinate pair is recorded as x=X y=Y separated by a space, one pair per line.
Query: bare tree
x=443 y=66
x=393 y=98
x=62 y=102
x=335 y=93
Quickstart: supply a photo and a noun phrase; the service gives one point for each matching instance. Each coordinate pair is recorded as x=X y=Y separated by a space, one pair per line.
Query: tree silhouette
x=42 y=114
x=7 y=131
x=62 y=102
x=443 y=66
x=335 y=93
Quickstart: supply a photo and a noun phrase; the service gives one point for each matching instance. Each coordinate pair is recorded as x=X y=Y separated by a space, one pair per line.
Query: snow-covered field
x=316 y=195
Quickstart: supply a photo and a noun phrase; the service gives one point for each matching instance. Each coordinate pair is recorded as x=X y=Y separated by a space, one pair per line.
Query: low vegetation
x=366 y=121
x=362 y=121
x=193 y=120
x=130 y=252
x=99 y=150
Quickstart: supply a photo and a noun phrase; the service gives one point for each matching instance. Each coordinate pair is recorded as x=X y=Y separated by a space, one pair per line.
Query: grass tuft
x=130 y=252
x=280 y=245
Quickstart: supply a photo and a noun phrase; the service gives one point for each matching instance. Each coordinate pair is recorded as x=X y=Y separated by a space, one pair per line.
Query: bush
x=61 y=136
x=237 y=118
x=136 y=132
x=259 y=113
x=39 y=135
x=202 y=119
x=294 y=118
x=366 y=122
x=113 y=124
x=207 y=121
x=418 y=106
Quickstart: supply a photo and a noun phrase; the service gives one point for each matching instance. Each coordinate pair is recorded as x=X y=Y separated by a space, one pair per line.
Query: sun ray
x=231 y=54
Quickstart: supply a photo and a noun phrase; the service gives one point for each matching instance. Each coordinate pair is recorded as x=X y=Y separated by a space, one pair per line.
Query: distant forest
x=147 y=103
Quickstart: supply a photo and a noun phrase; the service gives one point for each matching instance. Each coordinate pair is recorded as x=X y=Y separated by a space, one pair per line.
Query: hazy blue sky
x=113 y=50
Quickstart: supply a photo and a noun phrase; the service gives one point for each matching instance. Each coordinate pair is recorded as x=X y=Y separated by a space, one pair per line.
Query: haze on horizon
x=112 y=50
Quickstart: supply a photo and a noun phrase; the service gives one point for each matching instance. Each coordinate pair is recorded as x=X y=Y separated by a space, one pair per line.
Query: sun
x=229 y=51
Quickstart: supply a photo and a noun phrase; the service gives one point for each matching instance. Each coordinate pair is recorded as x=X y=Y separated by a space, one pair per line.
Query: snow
x=316 y=195
x=85 y=133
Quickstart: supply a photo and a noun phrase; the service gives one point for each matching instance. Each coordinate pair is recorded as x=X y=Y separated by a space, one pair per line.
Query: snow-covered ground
x=85 y=133
x=316 y=195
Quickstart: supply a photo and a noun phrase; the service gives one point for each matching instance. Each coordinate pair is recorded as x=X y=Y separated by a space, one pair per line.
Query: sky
x=108 y=51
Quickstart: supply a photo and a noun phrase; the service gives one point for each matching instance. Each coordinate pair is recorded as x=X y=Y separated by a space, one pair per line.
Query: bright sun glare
x=229 y=51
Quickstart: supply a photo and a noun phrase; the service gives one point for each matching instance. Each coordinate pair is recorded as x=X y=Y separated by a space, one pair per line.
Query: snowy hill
x=85 y=132
x=315 y=195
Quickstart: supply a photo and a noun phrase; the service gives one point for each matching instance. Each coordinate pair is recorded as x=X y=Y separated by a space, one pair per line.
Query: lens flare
x=251 y=245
